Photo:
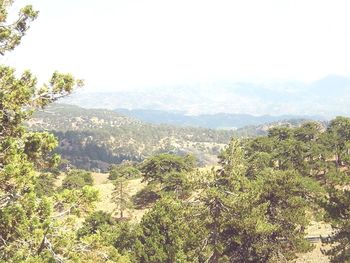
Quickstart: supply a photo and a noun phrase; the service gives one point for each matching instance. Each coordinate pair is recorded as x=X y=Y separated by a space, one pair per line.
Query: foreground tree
x=156 y=168
x=169 y=173
x=255 y=219
x=338 y=215
x=34 y=227
x=167 y=234
x=11 y=33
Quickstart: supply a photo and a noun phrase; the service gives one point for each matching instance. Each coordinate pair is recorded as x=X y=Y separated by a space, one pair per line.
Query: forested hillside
x=94 y=139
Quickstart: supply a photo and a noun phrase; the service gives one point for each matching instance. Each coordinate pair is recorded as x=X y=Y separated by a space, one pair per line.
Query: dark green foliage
x=178 y=184
x=123 y=171
x=95 y=222
x=338 y=138
x=117 y=233
x=146 y=196
x=309 y=157
x=302 y=149
x=170 y=172
x=77 y=179
x=45 y=184
x=124 y=237
x=156 y=168
x=338 y=209
x=256 y=215
x=167 y=235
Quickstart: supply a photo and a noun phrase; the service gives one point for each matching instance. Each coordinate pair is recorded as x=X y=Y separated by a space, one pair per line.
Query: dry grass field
x=106 y=187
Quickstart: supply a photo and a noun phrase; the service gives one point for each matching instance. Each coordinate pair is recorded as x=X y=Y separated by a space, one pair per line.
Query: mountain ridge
x=326 y=97
x=211 y=121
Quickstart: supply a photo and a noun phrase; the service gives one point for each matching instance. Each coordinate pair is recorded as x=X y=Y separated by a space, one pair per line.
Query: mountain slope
x=93 y=139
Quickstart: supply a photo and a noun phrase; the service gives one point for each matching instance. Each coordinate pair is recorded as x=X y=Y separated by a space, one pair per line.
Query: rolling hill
x=95 y=138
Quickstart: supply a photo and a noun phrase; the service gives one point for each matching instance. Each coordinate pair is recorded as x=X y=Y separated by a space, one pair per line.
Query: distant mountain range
x=327 y=97
x=212 y=121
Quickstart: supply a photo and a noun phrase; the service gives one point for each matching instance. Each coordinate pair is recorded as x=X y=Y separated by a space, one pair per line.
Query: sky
x=125 y=44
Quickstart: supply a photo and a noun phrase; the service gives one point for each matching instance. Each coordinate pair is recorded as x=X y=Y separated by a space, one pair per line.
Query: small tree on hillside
x=77 y=179
x=170 y=172
x=155 y=168
x=121 y=197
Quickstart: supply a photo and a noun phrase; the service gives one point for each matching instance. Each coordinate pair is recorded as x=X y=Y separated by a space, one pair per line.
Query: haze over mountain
x=211 y=121
x=326 y=97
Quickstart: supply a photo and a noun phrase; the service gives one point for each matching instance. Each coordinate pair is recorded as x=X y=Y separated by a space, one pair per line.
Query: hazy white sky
x=117 y=44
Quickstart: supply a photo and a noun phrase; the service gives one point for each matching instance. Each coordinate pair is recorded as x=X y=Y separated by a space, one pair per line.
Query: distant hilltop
x=225 y=121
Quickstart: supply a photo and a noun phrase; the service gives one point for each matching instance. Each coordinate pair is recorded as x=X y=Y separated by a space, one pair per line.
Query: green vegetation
x=121 y=197
x=45 y=184
x=95 y=139
x=255 y=207
x=97 y=221
x=34 y=226
x=166 y=235
x=123 y=171
x=77 y=179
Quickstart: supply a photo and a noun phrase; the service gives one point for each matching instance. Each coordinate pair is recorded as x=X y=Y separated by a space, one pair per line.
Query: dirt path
x=315 y=256
x=316 y=229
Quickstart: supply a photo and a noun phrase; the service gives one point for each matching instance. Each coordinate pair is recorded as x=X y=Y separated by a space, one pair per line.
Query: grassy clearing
x=106 y=187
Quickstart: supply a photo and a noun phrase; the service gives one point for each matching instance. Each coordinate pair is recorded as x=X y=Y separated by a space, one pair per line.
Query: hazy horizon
x=327 y=97
x=121 y=45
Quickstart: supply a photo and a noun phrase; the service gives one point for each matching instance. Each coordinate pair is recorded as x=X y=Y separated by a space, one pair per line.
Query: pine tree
x=33 y=227
x=260 y=218
x=121 y=197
